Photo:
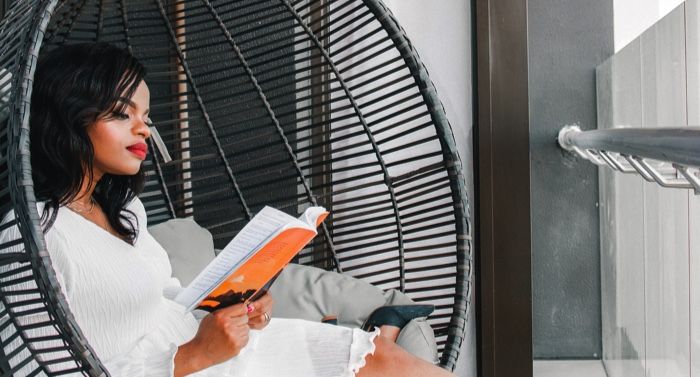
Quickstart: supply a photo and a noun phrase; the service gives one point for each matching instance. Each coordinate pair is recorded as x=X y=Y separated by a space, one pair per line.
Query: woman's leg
x=391 y=360
x=390 y=332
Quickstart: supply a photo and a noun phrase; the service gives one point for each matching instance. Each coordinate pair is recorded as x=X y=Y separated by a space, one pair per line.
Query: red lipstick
x=139 y=149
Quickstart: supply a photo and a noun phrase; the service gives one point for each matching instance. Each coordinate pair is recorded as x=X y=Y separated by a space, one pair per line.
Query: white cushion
x=190 y=247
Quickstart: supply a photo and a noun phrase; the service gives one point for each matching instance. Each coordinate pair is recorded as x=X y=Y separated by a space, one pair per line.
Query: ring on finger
x=267 y=317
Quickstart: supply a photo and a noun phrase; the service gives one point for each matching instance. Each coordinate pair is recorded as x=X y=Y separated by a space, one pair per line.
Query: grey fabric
x=417 y=337
x=311 y=293
x=300 y=291
x=190 y=247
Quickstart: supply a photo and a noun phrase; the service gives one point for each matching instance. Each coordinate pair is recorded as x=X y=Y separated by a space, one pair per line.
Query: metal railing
x=667 y=156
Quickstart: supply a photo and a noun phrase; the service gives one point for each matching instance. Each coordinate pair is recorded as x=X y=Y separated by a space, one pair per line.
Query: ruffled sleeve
x=135 y=364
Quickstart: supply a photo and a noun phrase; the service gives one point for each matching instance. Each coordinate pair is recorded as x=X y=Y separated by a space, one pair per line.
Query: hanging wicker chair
x=260 y=102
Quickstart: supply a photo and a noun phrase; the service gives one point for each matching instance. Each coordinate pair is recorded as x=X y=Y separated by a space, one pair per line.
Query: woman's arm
x=221 y=336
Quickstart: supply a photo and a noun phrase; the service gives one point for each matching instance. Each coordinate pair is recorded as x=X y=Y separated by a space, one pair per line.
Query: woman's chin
x=134 y=171
x=126 y=171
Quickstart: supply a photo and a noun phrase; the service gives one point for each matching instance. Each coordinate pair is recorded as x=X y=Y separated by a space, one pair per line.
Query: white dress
x=120 y=297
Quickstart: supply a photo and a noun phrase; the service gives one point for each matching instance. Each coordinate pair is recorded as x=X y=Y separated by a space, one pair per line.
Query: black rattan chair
x=279 y=102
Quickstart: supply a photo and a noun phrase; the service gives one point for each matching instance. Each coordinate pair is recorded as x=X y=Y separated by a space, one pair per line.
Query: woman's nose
x=143 y=129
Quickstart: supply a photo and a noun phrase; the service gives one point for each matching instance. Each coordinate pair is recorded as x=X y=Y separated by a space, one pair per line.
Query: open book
x=247 y=266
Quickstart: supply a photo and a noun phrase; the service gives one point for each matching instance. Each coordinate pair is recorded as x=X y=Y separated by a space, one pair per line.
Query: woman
x=88 y=127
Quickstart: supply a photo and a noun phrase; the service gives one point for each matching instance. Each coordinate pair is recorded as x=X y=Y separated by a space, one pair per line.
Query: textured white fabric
x=116 y=293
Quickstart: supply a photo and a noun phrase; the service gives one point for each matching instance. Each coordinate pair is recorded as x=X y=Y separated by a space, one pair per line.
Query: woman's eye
x=118 y=115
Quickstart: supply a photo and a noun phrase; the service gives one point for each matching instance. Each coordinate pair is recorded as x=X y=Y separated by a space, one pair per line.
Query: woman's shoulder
x=11 y=214
x=10 y=233
x=136 y=206
x=135 y=210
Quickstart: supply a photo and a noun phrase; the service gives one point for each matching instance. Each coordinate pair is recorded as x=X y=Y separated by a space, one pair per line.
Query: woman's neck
x=84 y=196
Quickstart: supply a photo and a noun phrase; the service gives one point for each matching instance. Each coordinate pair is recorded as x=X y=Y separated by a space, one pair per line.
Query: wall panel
x=649 y=233
x=622 y=222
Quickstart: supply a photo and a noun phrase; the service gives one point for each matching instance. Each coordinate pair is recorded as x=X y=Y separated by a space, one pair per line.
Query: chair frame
x=33 y=19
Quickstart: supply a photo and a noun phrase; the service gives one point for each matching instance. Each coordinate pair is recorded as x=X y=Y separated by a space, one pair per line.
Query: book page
x=310 y=219
x=313 y=216
x=250 y=239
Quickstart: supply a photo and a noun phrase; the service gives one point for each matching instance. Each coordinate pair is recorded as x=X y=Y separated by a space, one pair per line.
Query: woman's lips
x=141 y=150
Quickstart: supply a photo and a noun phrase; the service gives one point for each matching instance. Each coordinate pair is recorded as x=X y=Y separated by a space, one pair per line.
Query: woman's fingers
x=238 y=321
x=255 y=315
x=233 y=310
x=234 y=315
x=261 y=306
x=258 y=323
x=259 y=316
x=239 y=336
x=222 y=334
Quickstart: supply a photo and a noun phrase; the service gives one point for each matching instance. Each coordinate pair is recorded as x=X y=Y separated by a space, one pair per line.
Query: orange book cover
x=272 y=239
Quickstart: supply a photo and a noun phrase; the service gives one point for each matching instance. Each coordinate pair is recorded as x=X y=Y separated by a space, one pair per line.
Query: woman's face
x=118 y=139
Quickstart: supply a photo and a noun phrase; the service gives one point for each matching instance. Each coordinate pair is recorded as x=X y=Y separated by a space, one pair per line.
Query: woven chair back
x=259 y=102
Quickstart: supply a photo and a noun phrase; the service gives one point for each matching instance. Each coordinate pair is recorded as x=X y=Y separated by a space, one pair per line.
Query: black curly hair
x=74 y=86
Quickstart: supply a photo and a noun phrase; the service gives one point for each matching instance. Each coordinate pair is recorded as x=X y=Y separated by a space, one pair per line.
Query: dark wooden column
x=504 y=317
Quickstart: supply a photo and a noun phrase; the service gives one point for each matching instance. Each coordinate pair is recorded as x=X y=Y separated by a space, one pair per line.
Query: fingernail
x=250 y=308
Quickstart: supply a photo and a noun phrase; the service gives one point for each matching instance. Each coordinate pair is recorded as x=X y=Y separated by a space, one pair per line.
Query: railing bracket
x=667 y=156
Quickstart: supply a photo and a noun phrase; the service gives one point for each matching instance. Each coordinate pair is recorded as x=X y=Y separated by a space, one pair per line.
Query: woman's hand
x=221 y=336
x=257 y=318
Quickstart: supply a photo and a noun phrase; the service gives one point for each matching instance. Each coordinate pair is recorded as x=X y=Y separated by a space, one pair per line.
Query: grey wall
x=566 y=41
